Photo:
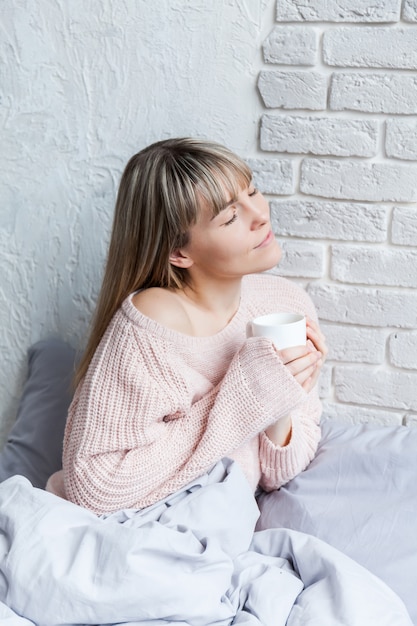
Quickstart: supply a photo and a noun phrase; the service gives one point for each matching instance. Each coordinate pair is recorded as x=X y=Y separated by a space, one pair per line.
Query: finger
x=314 y=326
x=306 y=362
x=317 y=338
x=311 y=381
x=292 y=354
x=315 y=376
x=316 y=343
x=308 y=385
x=305 y=376
x=315 y=331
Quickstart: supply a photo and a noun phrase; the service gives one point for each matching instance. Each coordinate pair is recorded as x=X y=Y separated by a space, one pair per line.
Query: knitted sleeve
x=129 y=442
x=280 y=464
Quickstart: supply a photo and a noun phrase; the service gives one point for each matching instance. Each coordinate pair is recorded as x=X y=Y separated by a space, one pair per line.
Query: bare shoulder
x=164 y=307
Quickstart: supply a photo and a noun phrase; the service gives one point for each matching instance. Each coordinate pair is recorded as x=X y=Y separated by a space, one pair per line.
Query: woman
x=169 y=383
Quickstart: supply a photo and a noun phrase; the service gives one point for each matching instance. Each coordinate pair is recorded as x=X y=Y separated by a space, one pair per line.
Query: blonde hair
x=161 y=192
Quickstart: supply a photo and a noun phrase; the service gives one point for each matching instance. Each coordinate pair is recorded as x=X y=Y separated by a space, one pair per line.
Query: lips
x=266 y=241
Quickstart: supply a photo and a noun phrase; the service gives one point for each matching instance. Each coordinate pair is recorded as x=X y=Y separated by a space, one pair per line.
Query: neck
x=217 y=299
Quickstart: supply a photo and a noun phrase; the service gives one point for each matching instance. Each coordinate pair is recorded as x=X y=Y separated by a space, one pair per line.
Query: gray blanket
x=193 y=559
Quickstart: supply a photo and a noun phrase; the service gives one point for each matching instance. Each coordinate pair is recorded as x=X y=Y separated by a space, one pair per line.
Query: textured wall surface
x=319 y=96
x=84 y=86
x=339 y=128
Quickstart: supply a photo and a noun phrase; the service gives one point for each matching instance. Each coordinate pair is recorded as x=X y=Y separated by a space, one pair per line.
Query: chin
x=274 y=257
x=268 y=266
x=270 y=258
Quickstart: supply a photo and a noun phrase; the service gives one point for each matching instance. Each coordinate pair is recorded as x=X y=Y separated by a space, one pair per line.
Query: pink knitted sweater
x=158 y=408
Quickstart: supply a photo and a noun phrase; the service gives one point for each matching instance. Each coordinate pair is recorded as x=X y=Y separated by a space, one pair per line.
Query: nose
x=258 y=211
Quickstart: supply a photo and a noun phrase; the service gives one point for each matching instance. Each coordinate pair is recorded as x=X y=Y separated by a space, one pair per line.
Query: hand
x=316 y=337
x=305 y=362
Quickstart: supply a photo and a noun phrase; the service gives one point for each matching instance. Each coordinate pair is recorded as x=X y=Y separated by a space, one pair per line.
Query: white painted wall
x=84 y=85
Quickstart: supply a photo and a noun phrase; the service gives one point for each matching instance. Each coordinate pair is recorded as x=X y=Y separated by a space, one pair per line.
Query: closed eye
x=232 y=219
x=254 y=192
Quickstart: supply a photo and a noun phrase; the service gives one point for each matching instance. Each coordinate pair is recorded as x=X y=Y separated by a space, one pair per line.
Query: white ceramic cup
x=285 y=329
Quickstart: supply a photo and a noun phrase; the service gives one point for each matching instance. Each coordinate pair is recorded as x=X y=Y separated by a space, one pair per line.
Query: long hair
x=161 y=192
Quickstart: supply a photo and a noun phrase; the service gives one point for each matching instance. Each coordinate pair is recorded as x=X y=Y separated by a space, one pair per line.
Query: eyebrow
x=232 y=201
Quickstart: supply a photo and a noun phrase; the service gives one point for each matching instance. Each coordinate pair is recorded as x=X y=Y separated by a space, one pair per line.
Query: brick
x=354 y=344
x=291 y=45
x=401 y=138
x=374 y=266
x=371 y=47
x=404 y=226
x=376 y=387
x=301 y=260
x=337 y=11
x=409 y=13
x=274 y=176
x=322 y=136
x=293 y=89
x=403 y=349
x=349 y=414
x=325 y=381
x=411 y=420
x=355 y=180
x=374 y=93
x=330 y=220
x=365 y=306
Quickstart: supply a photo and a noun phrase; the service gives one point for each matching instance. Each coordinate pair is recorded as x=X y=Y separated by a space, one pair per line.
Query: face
x=236 y=242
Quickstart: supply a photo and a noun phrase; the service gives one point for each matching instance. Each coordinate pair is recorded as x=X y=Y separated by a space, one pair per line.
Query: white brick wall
x=365 y=306
x=410 y=10
x=338 y=10
x=373 y=266
x=359 y=180
x=319 y=219
x=317 y=135
x=291 y=46
x=339 y=138
x=402 y=349
x=385 y=92
x=293 y=89
x=371 y=47
x=401 y=138
x=404 y=226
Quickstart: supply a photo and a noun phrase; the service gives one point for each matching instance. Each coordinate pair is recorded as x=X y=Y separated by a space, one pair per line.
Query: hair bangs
x=223 y=182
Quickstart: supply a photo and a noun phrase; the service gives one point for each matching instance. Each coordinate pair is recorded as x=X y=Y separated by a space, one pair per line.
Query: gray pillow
x=34 y=445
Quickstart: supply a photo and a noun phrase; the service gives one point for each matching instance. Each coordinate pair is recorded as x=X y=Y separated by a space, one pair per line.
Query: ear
x=180 y=259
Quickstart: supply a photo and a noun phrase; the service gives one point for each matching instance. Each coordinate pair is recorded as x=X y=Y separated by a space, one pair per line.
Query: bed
x=337 y=545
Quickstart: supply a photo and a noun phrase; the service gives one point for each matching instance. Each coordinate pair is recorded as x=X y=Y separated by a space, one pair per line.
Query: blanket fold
x=193 y=559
